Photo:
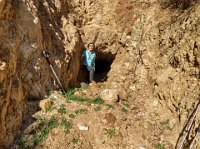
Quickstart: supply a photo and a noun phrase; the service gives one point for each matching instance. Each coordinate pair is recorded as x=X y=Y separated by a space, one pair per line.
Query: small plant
x=23 y=143
x=38 y=136
x=124 y=109
x=70 y=94
x=62 y=109
x=166 y=123
x=110 y=106
x=126 y=104
x=68 y=101
x=66 y=124
x=72 y=115
x=160 y=146
x=74 y=141
x=81 y=111
x=110 y=133
x=41 y=136
x=98 y=108
x=97 y=100
x=44 y=132
x=71 y=97
x=52 y=122
x=49 y=109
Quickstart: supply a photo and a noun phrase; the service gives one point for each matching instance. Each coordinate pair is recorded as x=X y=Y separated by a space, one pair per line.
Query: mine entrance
x=102 y=67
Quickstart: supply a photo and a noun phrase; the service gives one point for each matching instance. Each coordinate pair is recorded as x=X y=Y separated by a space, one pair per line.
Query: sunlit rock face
x=151 y=50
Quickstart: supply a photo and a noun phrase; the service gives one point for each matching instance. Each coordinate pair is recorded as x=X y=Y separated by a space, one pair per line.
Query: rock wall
x=27 y=28
x=156 y=53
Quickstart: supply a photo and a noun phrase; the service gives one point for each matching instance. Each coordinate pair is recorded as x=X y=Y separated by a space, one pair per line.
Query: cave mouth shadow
x=103 y=64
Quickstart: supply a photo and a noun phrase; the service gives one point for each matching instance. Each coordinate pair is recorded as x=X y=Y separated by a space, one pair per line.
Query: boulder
x=82 y=126
x=84 y=85
x=93 y=85
x=45 y=104
x=122 y=94
x=110 y=95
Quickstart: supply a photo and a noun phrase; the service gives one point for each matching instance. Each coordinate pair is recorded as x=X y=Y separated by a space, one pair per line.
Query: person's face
x=91 y=47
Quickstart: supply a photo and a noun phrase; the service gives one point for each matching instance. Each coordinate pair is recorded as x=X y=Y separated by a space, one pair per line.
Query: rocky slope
x=152 y=51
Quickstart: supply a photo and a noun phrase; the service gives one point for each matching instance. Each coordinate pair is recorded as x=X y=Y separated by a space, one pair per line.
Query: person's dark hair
x=90 y=44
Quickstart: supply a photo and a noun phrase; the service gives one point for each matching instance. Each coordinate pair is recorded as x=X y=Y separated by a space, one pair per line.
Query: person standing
x=89 y=56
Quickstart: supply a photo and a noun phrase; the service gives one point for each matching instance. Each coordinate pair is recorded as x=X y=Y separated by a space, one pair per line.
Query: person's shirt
x=89 y=58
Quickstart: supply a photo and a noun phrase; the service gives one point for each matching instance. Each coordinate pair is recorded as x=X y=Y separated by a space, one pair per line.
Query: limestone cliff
x=153 y=52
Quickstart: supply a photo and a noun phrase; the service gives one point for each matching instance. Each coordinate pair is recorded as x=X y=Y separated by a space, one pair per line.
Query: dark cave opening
x=102 y=68
x=103 y=64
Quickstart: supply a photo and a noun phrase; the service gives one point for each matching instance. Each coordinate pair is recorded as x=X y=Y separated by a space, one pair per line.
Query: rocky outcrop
x=28 y=28
x=154 y=52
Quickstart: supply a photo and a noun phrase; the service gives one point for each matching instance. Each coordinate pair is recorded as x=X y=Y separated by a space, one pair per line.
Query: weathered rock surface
x=45 y=104
x=155 y=53
x=109 y=95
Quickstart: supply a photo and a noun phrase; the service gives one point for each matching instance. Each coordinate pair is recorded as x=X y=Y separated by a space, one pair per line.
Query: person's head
x=91 y=46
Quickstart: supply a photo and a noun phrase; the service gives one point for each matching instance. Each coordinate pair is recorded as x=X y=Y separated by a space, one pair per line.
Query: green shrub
x=110 y=133
x=71 y=97
x=62 y=109
x=66 y=124
x=160 y=146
